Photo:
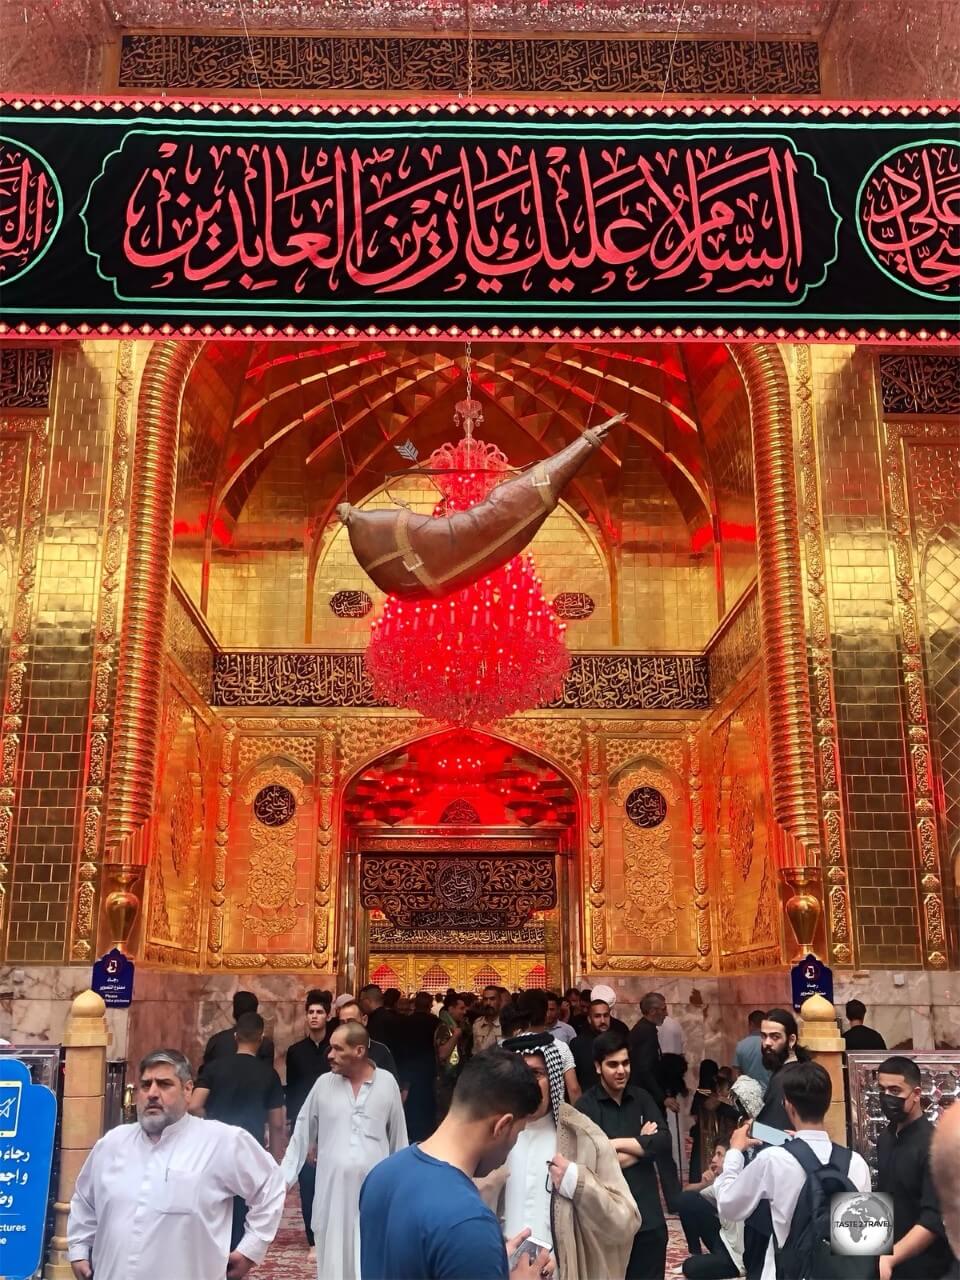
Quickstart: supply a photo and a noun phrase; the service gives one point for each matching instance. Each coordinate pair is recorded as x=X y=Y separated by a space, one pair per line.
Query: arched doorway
x=459 y=867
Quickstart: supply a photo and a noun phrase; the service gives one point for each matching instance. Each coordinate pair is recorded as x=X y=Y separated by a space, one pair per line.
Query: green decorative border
x=446 y=305
x=51 y=173
x=872 y=253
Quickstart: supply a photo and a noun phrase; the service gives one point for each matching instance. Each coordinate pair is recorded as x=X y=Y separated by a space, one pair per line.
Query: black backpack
x=806 y=1252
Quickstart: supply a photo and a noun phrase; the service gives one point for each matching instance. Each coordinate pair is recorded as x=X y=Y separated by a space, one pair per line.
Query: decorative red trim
x=496 y=333
x=823 y=108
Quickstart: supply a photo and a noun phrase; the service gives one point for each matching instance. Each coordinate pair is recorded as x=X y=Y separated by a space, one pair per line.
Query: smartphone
x=767 y=1133
x=531 y=1248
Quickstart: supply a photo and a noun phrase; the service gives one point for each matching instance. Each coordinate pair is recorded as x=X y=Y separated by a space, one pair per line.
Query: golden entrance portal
x=460 y=867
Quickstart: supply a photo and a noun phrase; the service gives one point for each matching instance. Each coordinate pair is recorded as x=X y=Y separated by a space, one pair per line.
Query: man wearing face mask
x=920 y=1250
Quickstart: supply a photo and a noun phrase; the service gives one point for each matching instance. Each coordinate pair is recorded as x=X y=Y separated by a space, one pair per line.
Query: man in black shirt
x=306 y=1063
x=418 y=1069
x=378 y=1053
x=224 y=1043
x=920 y=1250
x=645 y=1046
x=646 y=1073
x=638 y=1131
x=857 y=1036
x=243 y=1090
x=383 y=1024
x=581 y=1046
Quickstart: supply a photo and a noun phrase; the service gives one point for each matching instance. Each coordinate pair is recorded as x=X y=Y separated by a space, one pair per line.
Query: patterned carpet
x=287 y=1259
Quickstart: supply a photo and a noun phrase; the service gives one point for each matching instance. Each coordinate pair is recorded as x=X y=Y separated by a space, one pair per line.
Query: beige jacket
x=592 y=1233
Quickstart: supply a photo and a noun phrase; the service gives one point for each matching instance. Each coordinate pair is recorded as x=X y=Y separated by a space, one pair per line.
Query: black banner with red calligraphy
x=424 y=220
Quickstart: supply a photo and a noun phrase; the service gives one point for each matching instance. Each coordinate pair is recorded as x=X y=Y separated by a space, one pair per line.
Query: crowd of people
x=507 y=1137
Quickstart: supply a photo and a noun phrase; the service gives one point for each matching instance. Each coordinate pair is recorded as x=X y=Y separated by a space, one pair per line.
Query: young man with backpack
x=797 y=1180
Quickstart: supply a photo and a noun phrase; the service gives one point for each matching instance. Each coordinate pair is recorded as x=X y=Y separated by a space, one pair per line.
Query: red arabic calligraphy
x=29 y=209
x=910 y=215
x=573 y=220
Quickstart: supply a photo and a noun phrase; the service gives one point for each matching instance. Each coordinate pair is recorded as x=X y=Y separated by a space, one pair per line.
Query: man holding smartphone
x=777 y=1175
x=421 y=1215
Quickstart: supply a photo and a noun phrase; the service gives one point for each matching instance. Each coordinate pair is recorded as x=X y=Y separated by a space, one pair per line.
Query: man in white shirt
x=559 y=1030
x=156 y=1198
x=353 y=1116
x=774 y=1174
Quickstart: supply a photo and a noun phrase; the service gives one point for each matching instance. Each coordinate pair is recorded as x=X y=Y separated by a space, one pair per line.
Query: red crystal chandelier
x=486 y=651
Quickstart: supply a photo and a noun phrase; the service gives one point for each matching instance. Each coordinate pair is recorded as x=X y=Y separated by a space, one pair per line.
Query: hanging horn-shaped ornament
x=416 y=556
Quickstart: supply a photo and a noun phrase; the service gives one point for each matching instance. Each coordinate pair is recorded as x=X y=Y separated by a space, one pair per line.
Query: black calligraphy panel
x=646 y=807
x=214 y=62
x=761 y=220
x=613 y=682
x=458 y=893
x=274 y=805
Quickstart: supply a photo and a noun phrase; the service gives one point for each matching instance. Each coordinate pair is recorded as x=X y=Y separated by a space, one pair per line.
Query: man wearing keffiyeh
x=562 y=1180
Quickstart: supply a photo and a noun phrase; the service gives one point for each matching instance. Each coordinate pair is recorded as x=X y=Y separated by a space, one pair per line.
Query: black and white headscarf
x=542 y=1042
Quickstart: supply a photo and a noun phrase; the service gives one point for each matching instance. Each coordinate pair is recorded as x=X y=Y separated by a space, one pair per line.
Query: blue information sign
x=113 y=980
x=28 y=1118
x=811 y=977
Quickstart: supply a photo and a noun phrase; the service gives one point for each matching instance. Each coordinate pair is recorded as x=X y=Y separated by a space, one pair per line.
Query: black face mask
x=893 y=1107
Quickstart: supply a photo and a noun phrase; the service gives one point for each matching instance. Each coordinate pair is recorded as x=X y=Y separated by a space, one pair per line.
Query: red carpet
x=287 y=1259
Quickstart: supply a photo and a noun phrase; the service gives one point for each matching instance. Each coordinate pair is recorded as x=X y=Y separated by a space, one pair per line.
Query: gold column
x=789 y=722
x=841 y=939
x=84 y=1086
x=139 y=681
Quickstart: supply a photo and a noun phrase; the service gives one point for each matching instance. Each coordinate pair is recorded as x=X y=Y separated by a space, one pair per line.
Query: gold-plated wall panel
x=57 y=698
x=180 y=855
x=742 y=860
x=862 y=603
x=650 y=870
x=22 y=443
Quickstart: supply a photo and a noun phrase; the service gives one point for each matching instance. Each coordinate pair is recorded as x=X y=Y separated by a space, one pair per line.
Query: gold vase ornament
x=121 y=906
x=803 y=906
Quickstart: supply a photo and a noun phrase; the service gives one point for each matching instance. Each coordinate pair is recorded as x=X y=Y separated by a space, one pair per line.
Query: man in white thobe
x=354 y=1118
x=156 y=1198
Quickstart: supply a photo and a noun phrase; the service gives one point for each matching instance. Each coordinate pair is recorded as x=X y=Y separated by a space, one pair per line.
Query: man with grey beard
x=156 y=1198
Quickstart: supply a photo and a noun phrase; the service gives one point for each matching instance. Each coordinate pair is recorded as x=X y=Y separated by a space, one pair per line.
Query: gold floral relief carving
x=270 y=905
x=303 y=750
x=764 y=923
x=652 y=964
x=363 y=738
x=650 y=909
x=326 y=744
x=218 y=879
x=839 y=918
x=257 y=960
x=918 y=437
x=553 y=737
x=764 y=960
x=621 y=751
x=594 y=847
x=23 y=464
x=701 y=900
